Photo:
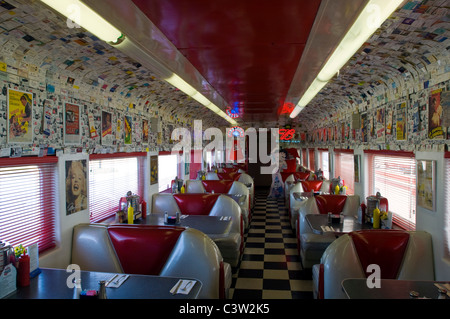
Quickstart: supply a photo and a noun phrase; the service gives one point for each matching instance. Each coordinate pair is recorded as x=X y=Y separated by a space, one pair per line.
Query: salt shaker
x=102 y=290
x=77 y=289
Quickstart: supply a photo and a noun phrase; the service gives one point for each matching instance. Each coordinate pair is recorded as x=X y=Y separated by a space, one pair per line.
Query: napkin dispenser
x=376 y=201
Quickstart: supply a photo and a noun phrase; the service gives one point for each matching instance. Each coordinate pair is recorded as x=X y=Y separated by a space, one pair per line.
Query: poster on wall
x=426 y=192
x=19 y=124
x=380 y=125
x=72 y=132
x=128 y=125
x=107 y=134
x=401 y=121
x=46 y=123
x=364 y=127
x=435 y=115
x=76 y=186
x=145 y=130
x=153 y=169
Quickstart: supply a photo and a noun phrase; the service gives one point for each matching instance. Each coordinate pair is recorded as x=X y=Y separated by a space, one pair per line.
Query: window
x=393 y=174
x=167 y=170
x=304 y=158
x=324 y=162
x=311 y=160
x=447 y=207
x=110 y=178
x=28 y=202
x=343 y=167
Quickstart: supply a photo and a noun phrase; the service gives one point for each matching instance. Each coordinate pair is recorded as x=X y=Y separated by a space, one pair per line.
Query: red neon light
x=286 y=135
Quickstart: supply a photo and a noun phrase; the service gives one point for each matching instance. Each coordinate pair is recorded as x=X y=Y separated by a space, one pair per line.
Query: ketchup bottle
x=23 y=272
x=144 y=209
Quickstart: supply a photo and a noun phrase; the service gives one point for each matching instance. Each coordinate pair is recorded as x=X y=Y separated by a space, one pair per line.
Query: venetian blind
x=110 y=179
x=304 y=158
x=344 y=167
x=311 y=160
x=28 y=202
x=394 y=176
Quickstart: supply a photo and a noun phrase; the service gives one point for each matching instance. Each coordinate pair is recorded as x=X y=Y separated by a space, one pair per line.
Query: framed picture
x=76 y=186
x=107 y=133
x=128 y=128
x=72 y=127
x=20 y=111
x=153 y=169
x=426 y=188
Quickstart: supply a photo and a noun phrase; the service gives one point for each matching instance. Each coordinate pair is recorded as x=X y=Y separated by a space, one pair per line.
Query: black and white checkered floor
x=270 y=267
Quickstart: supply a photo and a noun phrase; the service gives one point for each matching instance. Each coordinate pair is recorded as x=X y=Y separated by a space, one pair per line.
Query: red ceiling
x=248 y=50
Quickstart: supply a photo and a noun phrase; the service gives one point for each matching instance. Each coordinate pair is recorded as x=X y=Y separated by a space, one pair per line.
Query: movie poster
x=401 y=121
x=128 y=127
x=380 y=125
x=19 y=124
x=107 y=134
x=76 y=186
x=145 y=130
x=72 y=132
x=435 y=113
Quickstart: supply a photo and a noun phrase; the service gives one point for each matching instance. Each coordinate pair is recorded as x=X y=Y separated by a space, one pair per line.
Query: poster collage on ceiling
x=418 y=121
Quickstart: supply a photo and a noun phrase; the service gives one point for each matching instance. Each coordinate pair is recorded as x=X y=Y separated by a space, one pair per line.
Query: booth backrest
x=330 y=203
x=134 y=245
x=294 y=176
x=234 y=176
x=150 y=250
x=218 y=186
x=195 y=204
x=291 y=165
x=403 y=255
x=386 y=251
x=230 y=169
x=309 y=186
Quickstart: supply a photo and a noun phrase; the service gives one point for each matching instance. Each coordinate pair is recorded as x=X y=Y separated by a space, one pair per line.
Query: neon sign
x=236 y=131
x=233 y=112
x=286 y=134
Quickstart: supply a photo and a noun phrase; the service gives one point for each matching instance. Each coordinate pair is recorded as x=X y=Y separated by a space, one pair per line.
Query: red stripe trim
x=388 y=152
x=447 y=155
x=28 y=160
x=116 y=155
x=342 y=150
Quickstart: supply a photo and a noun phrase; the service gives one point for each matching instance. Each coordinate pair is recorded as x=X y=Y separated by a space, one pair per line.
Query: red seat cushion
x=143 y=249
x=195 y=204
x=309 y=186
x=218 y=186
x=233 y=176
x=330 y=203
x=291 y=165
x=383 y=247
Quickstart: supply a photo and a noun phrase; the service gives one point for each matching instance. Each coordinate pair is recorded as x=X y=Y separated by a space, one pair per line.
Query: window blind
x=304 y=158
x=109 y=180
x=28 y=202
x=168 y=170
x=311 y=160
x=394 y=176
x=344 y=167
x=324 y=163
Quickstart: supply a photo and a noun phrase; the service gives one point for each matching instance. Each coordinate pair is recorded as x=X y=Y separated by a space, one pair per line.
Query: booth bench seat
x=300 y=187
x=223 y=187
x=152 y=250
x=236 y=176
x=311 y=246
x=231 y=246
x=403 y=255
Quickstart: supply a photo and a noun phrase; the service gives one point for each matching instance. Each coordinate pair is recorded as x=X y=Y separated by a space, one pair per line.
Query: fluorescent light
x=369 y=20
x=85 y=17
x=182 y=85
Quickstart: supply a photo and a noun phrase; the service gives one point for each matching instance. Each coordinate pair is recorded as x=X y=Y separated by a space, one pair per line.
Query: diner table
x=52 y=284
x=320 y=225
x=214 y=227
x=357 y=288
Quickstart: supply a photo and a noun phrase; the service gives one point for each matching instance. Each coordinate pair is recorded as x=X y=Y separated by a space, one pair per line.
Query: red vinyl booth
x=406 y=255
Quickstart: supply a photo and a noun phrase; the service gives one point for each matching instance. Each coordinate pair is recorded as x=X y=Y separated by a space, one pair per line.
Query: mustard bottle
x=336 y=190
x=376 y=218
x=182 y=189
x=130 y=214
x=203 y=177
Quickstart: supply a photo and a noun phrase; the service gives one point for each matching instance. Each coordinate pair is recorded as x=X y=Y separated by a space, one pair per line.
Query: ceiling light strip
x=369 y=20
